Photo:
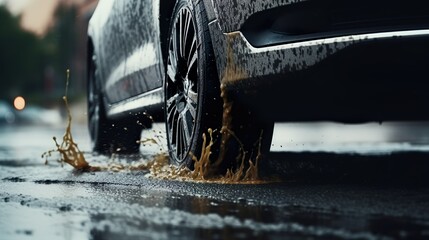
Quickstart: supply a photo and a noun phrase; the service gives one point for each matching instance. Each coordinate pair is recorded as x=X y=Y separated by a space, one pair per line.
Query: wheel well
x=165 y=13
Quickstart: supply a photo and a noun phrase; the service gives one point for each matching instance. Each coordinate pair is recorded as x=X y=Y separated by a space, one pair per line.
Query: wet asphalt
x=346 y=197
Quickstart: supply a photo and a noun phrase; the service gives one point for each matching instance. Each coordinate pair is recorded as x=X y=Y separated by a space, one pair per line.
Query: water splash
x=205 y=169
x=68 y=148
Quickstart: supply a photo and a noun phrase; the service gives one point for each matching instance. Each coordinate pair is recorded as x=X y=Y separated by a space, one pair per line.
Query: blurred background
x=39 y=41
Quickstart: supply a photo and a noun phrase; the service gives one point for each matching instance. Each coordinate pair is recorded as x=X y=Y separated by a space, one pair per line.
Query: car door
x=110 y=52
x=140 y=69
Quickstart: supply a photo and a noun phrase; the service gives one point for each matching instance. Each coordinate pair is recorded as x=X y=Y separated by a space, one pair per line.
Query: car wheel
x=192 y=96
x=108 y=136
x=193 y=102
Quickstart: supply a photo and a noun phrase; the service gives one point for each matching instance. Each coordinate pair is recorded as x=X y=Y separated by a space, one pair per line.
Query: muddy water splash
x=204 y=168
x=68 y=148
x=247 y=170
x=70 y=154
x=252 y=172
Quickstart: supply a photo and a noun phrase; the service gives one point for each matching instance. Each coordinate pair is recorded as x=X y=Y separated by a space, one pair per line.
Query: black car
x=238 y=66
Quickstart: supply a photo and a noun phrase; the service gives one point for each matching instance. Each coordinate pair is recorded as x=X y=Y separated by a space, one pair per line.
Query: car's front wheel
x=192 y=96
x=193 y=102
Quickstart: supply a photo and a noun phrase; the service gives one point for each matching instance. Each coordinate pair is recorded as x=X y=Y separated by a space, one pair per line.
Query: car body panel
x=303 y=81
x=128 y=49
x=238 y=60
x=232 y=14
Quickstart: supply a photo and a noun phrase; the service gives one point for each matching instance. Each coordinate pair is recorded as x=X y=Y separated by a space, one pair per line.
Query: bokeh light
x=19 y=103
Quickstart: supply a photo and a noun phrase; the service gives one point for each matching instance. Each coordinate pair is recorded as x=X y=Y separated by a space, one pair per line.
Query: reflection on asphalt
x=365 y=138
x=50 y=202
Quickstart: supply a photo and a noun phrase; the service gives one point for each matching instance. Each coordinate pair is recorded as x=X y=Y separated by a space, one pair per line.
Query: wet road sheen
x=54 y=202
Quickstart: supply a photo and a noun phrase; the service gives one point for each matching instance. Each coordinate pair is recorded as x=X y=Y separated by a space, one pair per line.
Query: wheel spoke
x=171 y=113
x=193 y=58
x=171 y=100
x=184 y=141
x=187 y=25
x=191 y=109
x=175 y=49
x=171 y=73
x=173 y=136
x=181 y=47
x=178 y=136
x=187 y=131
x=172 y=65
x=192 y=97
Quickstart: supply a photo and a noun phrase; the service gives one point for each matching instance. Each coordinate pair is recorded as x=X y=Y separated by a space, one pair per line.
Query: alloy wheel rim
x=181 y=85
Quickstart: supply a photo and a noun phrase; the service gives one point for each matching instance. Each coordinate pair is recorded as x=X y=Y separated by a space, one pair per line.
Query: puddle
x=34 y=223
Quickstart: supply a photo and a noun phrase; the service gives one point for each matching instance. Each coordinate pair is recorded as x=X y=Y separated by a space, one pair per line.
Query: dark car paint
x=240 y=65
x=118 y=39
x=125 y=44
x=233 y=13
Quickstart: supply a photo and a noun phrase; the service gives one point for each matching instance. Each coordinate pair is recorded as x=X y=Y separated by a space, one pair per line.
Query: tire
x=108 y=136
x=192 y=95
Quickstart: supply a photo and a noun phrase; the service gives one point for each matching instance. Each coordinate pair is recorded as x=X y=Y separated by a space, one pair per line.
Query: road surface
x=39 y=201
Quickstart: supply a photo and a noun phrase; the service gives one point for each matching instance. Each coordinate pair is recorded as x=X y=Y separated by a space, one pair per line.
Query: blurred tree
x=60 y=43
x=22 y=56
x=35 y=66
